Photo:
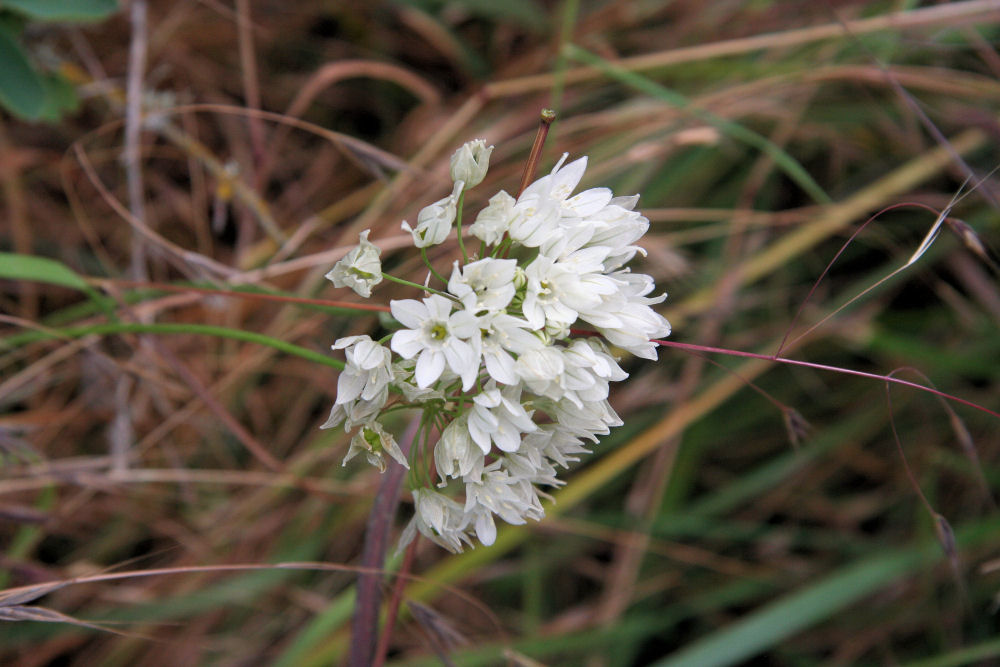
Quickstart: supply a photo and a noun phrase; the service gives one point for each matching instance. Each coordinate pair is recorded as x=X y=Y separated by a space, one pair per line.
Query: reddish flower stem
x=822 y=367
x=535 y=156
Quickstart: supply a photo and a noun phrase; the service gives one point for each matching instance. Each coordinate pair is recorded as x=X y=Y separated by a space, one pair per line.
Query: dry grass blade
x=259 y=140
x=18 y=596
x=43 y=615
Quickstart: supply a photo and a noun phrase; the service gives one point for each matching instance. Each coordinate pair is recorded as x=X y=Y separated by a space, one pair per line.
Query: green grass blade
x=799 y=610
x=191 y=329
x=14 y=266
x=962 y=656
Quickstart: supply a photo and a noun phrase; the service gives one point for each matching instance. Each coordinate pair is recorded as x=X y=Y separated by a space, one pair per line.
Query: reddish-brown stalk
x=823 y=367
x=546 y=119
x=165 y=287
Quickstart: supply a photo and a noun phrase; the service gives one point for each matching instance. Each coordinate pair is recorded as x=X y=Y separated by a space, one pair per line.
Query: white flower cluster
x=490 y=357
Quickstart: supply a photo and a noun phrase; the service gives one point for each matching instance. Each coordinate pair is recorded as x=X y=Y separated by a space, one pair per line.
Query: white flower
x=363 y=385
x=589 y=369
x=531 y=465
x=360 y=269
x=487 y=284
x=578 y=373
x=470 y=162
x=439 y=519
x=627 y=321
x=435 y=221
x=541 y=370
x=503 y=334
x=368 y=370
x=439 y=337
x=506 y=322
x=554 y=443
x=494 y=220
x=375 y=442
x=403 y=371
x=534 y=219
x=560 y=291
x=617 y=227
x=558 y=184
x=591 y=419
x=497 y=416
x=455 y=454
x=511 y=498
x=352 y=413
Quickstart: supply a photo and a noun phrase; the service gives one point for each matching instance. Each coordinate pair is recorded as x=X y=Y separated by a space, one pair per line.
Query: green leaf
x=60 y=98
x=63 y=10
x=39 y=269
x=26 y=337
x=45 y=270
x=21 y=88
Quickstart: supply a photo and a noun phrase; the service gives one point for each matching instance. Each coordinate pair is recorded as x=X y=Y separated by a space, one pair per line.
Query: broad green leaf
x=21 y=88
x=63 y=10
x=60 y=98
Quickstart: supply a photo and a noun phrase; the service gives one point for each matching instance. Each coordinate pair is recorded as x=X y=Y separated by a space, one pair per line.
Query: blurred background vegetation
x=749 y=512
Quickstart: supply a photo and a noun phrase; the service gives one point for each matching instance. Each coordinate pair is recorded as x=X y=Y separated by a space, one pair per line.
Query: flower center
x=371 y=437
x=438 y=332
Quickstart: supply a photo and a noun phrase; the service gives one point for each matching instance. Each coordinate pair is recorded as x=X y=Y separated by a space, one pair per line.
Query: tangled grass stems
x=800 y=520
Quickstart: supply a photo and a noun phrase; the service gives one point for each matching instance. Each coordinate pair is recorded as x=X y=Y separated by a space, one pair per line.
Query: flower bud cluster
x=490 y=358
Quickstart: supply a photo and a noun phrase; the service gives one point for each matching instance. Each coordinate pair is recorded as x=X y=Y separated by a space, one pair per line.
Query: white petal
x=590 y=201
x=349 y=386
x=566 y=179
x=500 y=366
x=486 y=529
x=430 y=364
x=406 y=343
x=409 y=312
x=438 y=307
x=463 y=360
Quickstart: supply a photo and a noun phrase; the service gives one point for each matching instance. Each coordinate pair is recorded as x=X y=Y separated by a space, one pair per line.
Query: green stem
x=458 y=223
x=501 y=249
x=423 y=254
x=424 y=288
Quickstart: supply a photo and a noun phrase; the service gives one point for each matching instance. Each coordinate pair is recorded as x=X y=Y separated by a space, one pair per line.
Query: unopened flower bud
x=556 y=330
x=470 y=162
x=520 y=278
